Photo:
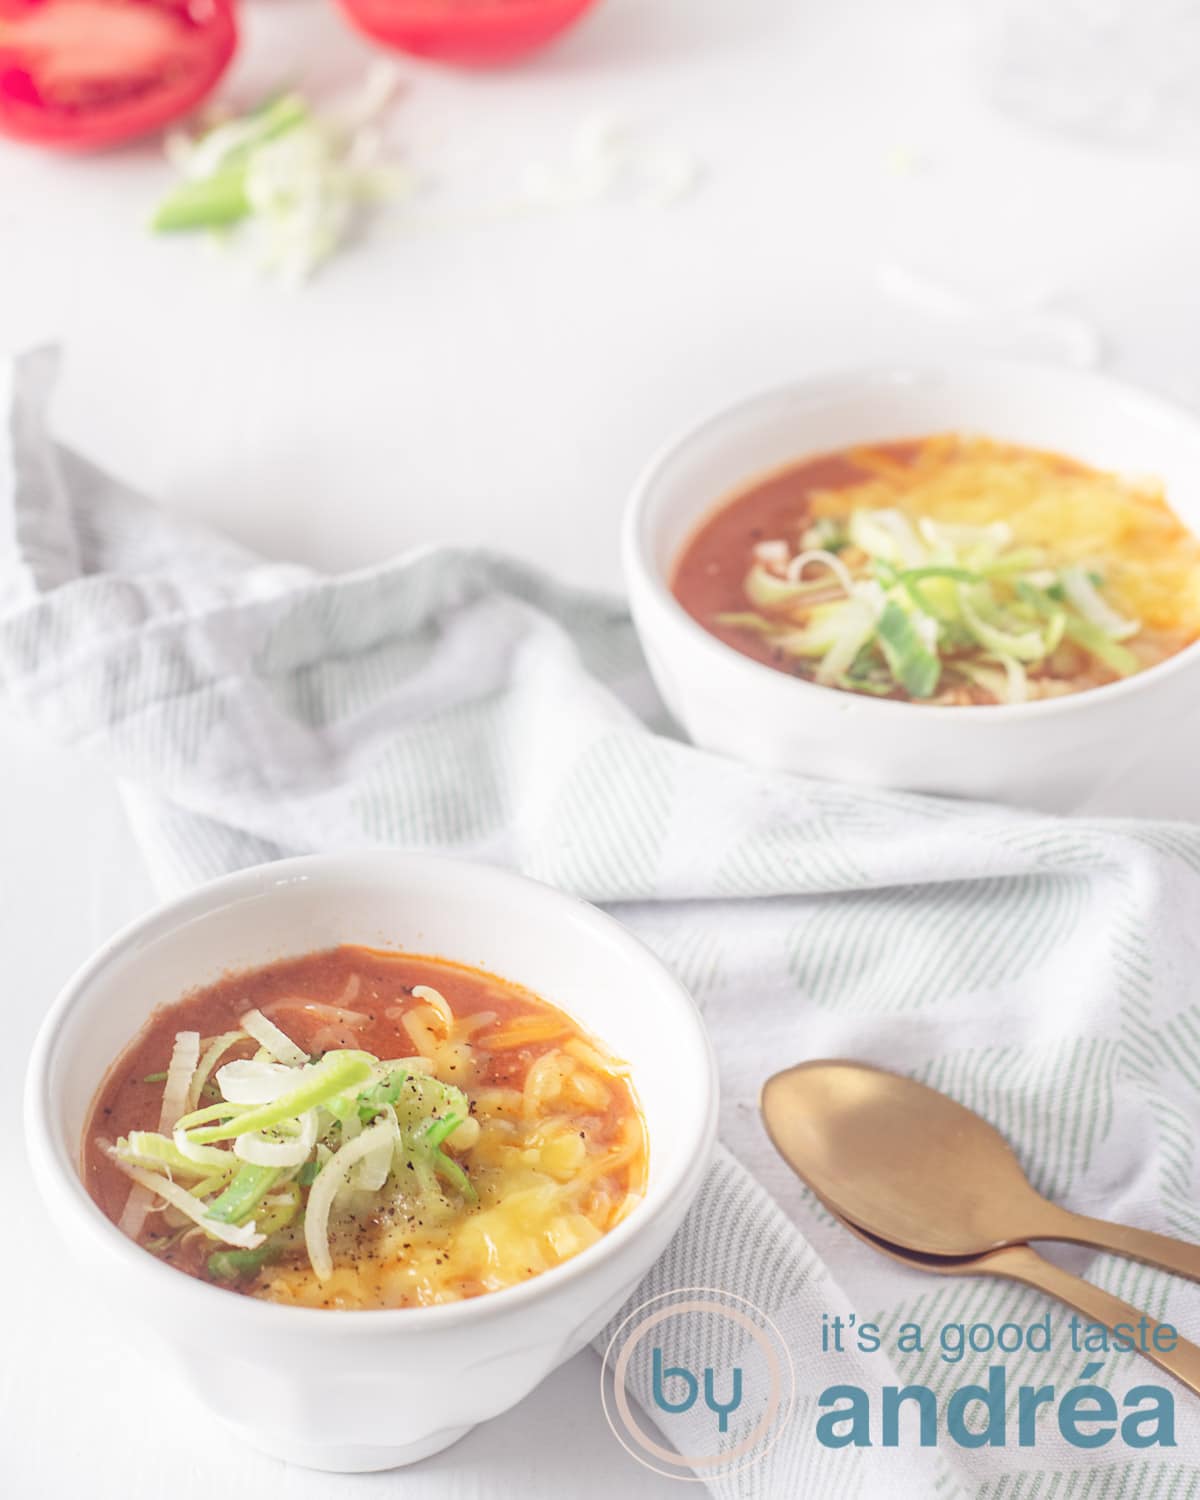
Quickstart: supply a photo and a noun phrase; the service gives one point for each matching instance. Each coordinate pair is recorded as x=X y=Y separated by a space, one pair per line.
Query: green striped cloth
x=1043 y=971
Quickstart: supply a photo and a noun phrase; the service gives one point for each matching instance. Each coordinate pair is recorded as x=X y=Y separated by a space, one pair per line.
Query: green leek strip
x=931 y=588
x=232 y=1265
x=210 y=203
x=427 y=1140
x=866 y=685
x=146 y=1148
x=278 y=1209
x=455 y=1175
x=734 y=619
x=1020 y=560
x=437 y=1130
x=914 y=666
x=1119 y=659
x=221 y=1111
x=336 y=1072
x=938 y=570
x=345 y=1103
x=218 y=1180
x=372 y=1101
x=235 y=140
x=1025 y=645
x=243 y=1195
x=218 y=197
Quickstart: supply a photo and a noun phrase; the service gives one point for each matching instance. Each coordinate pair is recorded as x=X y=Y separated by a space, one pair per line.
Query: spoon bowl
x=913 y=1167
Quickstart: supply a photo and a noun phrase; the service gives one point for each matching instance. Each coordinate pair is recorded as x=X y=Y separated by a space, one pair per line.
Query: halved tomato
x=475 y=32
x=77 y=74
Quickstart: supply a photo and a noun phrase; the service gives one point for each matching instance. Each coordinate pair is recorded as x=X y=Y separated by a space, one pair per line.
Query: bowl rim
x=640 y=568
x=56 y=1169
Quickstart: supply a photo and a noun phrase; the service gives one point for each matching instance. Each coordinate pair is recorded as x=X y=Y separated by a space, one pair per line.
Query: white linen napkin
x=1040 y=970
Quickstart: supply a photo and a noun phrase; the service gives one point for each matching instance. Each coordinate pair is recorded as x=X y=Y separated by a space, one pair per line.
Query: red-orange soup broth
x=949 y=570
x=515 y=1139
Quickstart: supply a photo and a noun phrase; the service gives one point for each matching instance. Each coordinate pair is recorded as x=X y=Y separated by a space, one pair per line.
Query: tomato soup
x=947 y=570
x=364 y=1129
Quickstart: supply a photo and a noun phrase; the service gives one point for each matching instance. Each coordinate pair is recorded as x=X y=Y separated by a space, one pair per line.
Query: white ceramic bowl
x=367 y=1390
x=1052 y=754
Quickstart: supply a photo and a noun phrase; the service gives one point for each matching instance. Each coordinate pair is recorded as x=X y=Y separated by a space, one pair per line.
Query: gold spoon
x=1022 y=1263
x=914 y=1168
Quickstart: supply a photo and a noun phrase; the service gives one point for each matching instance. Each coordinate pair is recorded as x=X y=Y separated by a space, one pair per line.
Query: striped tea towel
x=1043 y=971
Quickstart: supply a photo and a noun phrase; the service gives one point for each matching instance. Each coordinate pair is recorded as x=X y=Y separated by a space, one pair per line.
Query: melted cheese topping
x=1150 y=560
x=557 y=1162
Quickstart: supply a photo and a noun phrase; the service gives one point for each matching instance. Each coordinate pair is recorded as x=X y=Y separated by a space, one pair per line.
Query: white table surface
x=501 y=382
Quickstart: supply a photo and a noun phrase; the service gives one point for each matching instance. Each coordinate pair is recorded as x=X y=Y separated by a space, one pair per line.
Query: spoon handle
x=1020 y=1263
x=1138 y=1244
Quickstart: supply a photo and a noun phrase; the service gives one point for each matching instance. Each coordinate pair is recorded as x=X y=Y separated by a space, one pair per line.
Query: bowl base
x=350 y=1458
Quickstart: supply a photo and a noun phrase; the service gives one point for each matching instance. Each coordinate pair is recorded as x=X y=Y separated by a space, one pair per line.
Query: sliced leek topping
x=879 y=605
x=260 y=1170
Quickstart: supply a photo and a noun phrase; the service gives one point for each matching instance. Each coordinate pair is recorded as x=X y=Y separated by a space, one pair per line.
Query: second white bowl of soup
x=979 y=580
x=406 y=1131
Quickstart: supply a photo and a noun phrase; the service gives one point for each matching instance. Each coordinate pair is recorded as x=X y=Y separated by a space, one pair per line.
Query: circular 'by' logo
x=712 y=1371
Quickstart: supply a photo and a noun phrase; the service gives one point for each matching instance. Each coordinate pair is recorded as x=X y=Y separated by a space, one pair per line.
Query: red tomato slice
x=76 y=74
x=465 y=31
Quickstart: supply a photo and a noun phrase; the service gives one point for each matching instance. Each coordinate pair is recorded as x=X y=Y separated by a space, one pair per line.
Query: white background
x=500 y=379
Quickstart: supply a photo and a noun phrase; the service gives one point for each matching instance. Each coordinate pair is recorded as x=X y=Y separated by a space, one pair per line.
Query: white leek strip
x=887 y=534
x=209 y=1157
x=372 y=1172
x=134 y=1214
x=243 y=1236
x=247 y=1082
x=1009 y=686
x=830 y=560
x=436 y=999
x=1018 y=680
x=268 y=1035
x=287 y=1150
x=210 y=1057
x=953 y=537
x=185 y=1055
x=766 y=589
x=1082 y=593
x=857 y=624
x=185 y=1058
x=332 y=1177
x=773 y=554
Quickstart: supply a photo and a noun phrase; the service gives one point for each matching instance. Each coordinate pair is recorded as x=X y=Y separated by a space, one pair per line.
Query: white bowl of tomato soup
x=364 y=1146
x=979 y=580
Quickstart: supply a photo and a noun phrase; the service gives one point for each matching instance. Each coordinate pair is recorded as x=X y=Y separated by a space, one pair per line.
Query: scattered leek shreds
x=879 y=598
x=261 y=1169
x=288 y=179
